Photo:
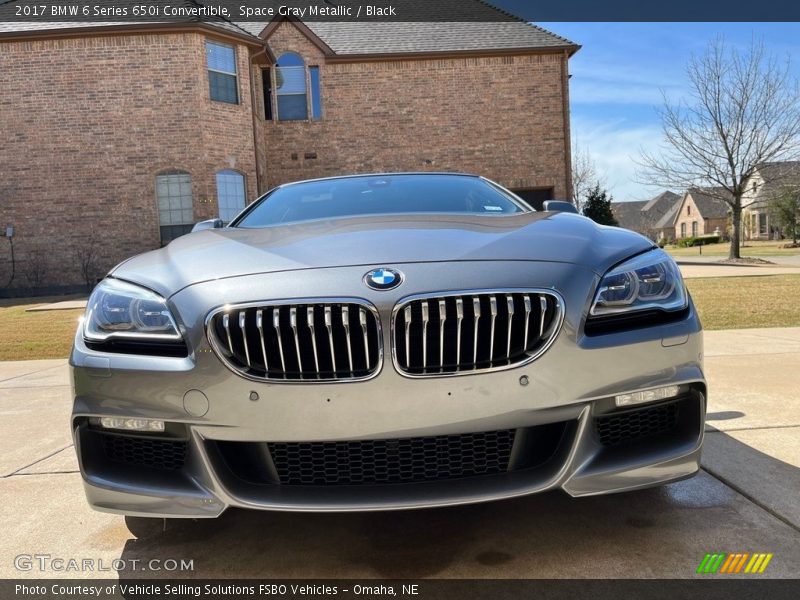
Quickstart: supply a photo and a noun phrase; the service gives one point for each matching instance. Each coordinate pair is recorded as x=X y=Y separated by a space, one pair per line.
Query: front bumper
x=570 y=387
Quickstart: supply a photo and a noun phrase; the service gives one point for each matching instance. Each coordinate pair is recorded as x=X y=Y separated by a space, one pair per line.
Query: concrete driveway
x=745 y=500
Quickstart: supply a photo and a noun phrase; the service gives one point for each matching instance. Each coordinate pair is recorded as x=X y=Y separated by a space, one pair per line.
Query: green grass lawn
x=33 y=335
x=744 y=302
x=723 y=303
x=753 y=249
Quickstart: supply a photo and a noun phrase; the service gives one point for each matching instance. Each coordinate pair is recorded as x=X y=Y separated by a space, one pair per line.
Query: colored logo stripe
x=735 y=562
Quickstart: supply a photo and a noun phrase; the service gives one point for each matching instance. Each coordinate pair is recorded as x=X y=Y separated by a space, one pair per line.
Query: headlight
x=117 y=309
x=649 y=281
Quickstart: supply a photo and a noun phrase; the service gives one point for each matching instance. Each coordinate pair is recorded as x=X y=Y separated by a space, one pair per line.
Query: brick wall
x=87 y=124
x=501 y=117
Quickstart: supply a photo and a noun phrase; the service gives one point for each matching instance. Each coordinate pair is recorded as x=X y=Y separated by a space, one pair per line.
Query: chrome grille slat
x=460 y=319
x=493 y=312
x=476 y=309
x=528 y=309
x=346 y=323
x=293 y=323
x=329 y=326
x=510 y=307
x=408 y=329
x=362 y=319
x=276 y=318
x=543 y=308
x=244 y=337
x=260 y=327
x=226 y=323
x=492 y=329
x=442 y=319
x=309 y=340
x=425 y=318
x=310 y=321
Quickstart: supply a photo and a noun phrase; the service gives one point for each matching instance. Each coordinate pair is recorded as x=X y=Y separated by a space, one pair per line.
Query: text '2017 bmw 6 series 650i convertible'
x=384 y=342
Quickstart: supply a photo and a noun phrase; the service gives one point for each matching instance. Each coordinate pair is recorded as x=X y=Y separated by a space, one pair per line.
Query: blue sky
x=618 y=75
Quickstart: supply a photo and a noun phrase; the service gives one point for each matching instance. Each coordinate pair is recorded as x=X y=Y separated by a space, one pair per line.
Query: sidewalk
x=693 y=269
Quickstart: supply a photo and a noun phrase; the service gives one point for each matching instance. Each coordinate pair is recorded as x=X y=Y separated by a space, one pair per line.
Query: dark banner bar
x=144 y=11
x=710 y=588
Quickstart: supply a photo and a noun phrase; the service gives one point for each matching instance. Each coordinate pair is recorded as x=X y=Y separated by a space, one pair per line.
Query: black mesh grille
x=636 y=424
x=404 y=460
x=143 y=452
x=468 y=332
x=314 y=341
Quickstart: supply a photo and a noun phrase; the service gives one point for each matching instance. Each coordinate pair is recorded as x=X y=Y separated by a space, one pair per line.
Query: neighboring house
x=702 y=211
x=768 y=182
x=664 y=229
x=645 y=216
x=117 y=138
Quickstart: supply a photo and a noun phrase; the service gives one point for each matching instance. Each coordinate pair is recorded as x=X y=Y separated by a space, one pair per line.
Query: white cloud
x=615 y=146
x=613 y=83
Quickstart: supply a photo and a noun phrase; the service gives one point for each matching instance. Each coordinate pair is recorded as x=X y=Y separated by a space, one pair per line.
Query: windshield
x=379 y=195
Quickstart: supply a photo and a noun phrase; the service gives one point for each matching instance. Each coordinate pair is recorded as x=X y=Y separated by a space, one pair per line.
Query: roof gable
x=777 y=175
x=710 y=202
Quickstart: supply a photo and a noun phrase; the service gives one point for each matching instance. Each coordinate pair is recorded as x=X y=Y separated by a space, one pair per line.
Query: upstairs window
x=290 y=88
x=223 y=83
x=316 y=101
x=297 y=90
x=230 y=194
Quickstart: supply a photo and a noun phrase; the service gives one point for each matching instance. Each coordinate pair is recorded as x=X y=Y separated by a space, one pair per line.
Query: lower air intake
x=406 y=460
x=144 y=452
x=632 y=425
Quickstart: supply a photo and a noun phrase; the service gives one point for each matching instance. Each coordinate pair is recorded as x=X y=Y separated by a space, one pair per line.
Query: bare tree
x=37 y=266
x=88 y=261
x=743 y=110
x=584 y=174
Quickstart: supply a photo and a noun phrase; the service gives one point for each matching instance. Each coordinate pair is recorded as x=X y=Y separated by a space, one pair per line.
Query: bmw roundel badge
x=383 y=279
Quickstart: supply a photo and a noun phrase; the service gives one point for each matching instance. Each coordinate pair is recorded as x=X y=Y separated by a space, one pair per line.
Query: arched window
x=290 y=88
x=292 y=80
x=230 y=194
x=175 y=206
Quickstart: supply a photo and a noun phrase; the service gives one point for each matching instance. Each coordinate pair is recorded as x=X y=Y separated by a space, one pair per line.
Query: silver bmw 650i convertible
x=384 y=342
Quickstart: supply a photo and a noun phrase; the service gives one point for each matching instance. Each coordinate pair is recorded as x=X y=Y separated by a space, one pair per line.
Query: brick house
x=702 y=211
x=116 y=139
x=768 y=183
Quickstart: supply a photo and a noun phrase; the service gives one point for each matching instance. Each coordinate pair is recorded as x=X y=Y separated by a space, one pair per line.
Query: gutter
x=132 y=29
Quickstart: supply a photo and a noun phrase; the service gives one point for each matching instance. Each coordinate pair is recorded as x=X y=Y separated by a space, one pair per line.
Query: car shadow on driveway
x=546 y=535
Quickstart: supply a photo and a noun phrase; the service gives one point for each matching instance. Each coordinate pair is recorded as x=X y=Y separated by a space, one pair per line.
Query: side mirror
x=210 y=224
x=560 y=206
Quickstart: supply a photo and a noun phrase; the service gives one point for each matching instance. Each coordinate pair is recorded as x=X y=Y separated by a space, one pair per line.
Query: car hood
x=381 y=241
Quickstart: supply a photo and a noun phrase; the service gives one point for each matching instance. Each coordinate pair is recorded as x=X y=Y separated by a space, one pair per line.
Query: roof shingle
x=711 y=201
x=487 y=29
